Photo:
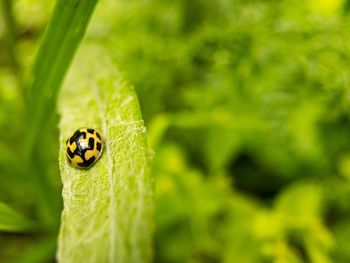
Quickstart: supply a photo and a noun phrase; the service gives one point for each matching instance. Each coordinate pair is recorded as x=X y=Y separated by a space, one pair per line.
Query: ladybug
x=84 y=148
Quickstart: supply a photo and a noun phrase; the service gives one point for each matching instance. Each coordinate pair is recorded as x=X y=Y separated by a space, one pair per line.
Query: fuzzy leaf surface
x=108 y=209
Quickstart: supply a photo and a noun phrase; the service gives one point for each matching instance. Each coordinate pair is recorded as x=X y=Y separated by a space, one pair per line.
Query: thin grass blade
x=13 y=221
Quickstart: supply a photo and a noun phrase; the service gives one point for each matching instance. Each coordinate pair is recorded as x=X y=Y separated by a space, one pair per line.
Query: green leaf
x=61 y=38
x=13 y=221
x=63 y=35
x=108 y=209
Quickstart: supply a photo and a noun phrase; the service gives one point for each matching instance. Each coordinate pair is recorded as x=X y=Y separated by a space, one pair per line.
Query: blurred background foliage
x=247 y=105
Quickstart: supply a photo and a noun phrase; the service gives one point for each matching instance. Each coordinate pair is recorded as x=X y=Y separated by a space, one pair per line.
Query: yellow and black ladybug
x=84 y=148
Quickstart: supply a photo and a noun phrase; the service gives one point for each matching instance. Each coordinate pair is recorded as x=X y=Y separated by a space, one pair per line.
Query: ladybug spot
x=87 y=163
x=91 y=143
x=69 y=152
x=90 y=131
x=82 y=135
x=98 y=146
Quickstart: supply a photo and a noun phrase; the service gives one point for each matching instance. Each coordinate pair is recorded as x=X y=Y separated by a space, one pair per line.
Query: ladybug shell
x=84 y=148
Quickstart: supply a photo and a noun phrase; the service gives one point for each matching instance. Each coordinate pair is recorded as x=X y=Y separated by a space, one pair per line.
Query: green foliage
x=246 y=104
x=12 y=221
x=246 y=107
